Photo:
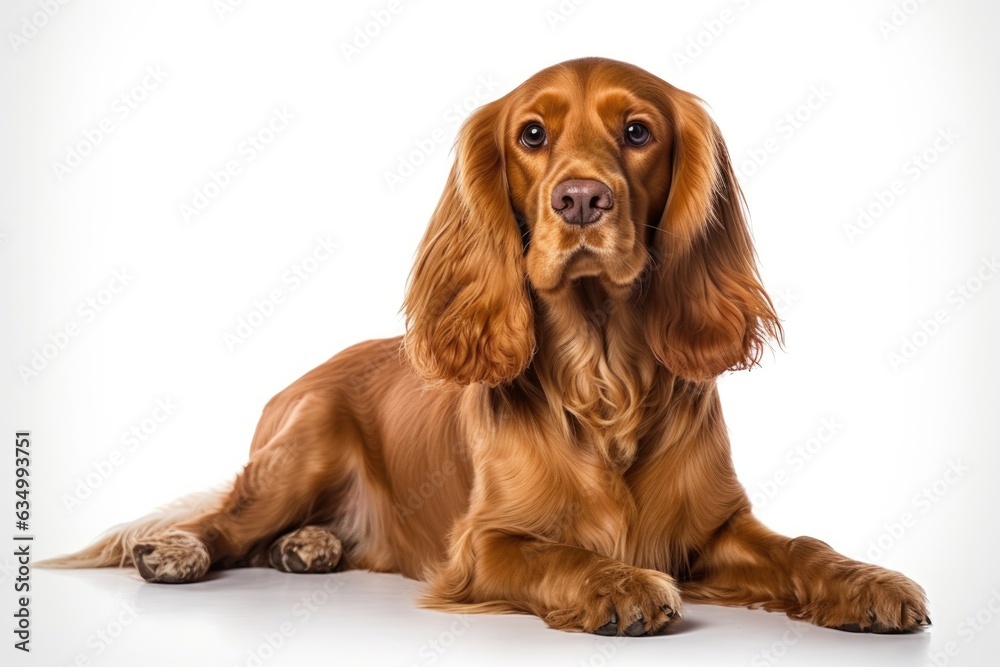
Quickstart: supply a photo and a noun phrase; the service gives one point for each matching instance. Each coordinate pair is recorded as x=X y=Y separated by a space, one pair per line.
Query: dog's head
x=590 y=169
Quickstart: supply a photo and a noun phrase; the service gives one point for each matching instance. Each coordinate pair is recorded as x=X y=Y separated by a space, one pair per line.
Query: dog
x=547 y=436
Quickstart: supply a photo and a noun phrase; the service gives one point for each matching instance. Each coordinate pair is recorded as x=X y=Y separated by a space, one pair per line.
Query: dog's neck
x=594 y=367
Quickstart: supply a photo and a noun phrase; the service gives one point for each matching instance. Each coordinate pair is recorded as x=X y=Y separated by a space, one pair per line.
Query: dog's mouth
x=610 y=250
x=583 y=262
x=617 y=273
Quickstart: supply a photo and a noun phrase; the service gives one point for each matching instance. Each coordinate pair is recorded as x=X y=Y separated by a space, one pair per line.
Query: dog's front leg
x=749 y=565
x=543 y=534
x=569 y=587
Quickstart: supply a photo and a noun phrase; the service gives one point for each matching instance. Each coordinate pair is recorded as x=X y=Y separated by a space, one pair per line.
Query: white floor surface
x=262 y=617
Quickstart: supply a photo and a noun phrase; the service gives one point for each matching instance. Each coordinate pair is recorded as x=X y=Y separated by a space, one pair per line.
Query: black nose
x=582 y=201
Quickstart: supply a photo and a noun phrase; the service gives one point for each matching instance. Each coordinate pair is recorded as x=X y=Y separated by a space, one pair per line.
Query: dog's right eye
x=637 y=134
x=533 y=135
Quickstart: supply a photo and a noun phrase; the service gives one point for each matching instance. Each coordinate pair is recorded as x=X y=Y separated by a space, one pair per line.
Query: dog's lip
x=585 y=260
x=586 y=253
x=584 y=250
x=572 y=270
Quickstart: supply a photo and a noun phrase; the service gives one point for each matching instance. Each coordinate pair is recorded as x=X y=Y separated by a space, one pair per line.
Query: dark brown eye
x=636 y=134
x=533 y=136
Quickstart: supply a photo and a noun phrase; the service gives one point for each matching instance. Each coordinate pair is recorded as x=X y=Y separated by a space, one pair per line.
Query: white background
x=893 y=430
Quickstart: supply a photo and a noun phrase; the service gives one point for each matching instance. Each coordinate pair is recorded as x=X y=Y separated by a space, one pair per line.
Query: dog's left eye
x=636 y=134
x=533 y=136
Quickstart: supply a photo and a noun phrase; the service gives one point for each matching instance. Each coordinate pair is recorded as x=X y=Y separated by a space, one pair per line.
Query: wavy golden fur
x=551 y=441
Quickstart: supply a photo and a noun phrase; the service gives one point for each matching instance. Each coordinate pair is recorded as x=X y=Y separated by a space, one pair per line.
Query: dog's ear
x=707 y=311
x=469 y=316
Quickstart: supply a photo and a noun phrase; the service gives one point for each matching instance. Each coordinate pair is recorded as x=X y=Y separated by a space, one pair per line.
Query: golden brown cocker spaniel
x=547 y=436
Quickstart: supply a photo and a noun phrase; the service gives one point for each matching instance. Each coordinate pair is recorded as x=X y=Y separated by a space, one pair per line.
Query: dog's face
x=588 y=165
x=590 y=169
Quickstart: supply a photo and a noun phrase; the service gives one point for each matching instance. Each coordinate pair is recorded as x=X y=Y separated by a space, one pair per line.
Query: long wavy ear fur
x=707 y=311
x=468 y=312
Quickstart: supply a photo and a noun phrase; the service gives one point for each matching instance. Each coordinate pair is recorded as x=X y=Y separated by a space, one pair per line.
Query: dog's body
x=548 y=436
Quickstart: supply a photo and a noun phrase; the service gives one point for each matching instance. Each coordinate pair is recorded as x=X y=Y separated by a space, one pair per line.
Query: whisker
x=660 y=229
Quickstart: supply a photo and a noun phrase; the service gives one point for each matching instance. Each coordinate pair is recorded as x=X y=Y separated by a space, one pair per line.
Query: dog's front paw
x=875 y=599
x=311 y=549
x=622 y=601
x=171 y=558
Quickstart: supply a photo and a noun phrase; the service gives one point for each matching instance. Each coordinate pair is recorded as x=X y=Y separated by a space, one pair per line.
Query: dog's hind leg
x=308 y=550
x=294 y=479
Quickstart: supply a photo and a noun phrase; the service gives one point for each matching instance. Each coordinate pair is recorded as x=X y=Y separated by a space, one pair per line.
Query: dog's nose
x=582 y=201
